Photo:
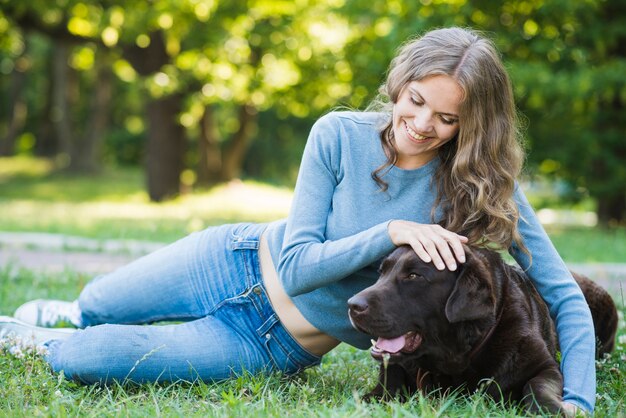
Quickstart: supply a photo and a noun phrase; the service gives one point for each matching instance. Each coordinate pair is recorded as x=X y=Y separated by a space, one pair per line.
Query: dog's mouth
x=403 y=344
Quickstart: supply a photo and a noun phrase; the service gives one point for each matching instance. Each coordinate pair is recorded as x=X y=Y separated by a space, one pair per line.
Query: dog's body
x=483 y=325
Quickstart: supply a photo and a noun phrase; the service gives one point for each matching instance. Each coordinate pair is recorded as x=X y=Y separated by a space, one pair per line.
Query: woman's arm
x=308 y=260
x=566 y=303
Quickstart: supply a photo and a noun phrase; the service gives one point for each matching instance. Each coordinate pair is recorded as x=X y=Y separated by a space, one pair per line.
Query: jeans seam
x=231 y=299
x=246 y=259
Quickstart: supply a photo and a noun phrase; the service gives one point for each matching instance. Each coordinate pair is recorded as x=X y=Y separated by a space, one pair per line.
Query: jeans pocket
x=243 y=237
x=244 y=244
x=279 y=353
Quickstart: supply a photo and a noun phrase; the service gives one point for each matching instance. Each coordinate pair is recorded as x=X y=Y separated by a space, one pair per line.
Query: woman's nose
x=423 y=121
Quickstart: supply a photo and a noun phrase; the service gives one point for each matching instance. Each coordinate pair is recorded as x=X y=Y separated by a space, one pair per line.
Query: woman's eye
x=416 y=102
x=448 y=121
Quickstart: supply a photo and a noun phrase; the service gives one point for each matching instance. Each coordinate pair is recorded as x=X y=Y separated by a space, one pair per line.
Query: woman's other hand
x=430 y=242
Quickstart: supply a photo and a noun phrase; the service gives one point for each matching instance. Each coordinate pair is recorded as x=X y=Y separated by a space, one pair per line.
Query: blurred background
x=158 y=99
x=126 y=124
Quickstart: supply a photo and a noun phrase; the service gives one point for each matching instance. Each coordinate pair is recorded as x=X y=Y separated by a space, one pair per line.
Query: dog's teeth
x=373 y=343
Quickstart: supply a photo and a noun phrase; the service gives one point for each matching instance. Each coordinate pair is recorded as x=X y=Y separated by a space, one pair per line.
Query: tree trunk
x=610 y=189
x=210 y=163
x=166 y=147
x=610 y=122
x=61 y=98
x=89 y=149
x=47 y=144
x=166 y=137
x=236 y=149
x=612 y=209
x=17 y=109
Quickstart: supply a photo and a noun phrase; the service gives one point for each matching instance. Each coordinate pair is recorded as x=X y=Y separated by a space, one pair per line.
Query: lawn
x=334 y=389
x=114 y=205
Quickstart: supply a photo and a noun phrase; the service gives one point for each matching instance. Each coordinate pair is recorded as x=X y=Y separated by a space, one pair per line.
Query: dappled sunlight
x=248 y=196
x=115 y=205
x=233 y=202
x=24 y=166
x=243 y=199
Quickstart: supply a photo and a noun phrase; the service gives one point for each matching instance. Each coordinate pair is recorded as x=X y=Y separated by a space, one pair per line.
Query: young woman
x=442 y=148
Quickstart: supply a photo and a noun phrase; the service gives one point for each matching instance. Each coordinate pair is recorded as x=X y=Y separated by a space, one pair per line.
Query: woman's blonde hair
x=476 y=178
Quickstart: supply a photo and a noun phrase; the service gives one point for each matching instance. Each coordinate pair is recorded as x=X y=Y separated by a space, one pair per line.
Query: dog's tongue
x=391 y=346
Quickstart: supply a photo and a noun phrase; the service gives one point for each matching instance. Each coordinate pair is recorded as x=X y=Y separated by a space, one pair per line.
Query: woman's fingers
x=440 y=253
x=456 y=243
x=430 y=242
x=443 y=246
x=421 y=252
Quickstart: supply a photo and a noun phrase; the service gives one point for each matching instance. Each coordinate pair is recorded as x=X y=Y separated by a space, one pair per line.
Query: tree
x=224 y=74
x=569 y=70
x=567 y=61
x=15 y=106
x=197 y=60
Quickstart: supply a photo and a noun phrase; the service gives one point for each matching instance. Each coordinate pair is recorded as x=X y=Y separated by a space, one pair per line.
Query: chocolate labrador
x=482 y=326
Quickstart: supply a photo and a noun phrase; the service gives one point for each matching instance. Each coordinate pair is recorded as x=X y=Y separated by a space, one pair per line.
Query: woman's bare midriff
x=310 y=338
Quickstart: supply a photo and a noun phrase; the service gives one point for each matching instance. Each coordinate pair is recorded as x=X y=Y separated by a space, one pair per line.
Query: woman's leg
x=183 y=281
x=206 y=349
x=238 y=331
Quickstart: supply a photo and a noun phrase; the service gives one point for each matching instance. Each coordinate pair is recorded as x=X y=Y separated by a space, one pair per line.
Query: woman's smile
x=420 y=139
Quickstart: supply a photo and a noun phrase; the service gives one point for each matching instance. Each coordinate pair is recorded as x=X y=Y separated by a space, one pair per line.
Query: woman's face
x=425 y=116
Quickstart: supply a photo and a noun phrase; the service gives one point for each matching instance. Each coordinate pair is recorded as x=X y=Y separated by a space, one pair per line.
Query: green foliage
x=297 y=59
x=123 y=147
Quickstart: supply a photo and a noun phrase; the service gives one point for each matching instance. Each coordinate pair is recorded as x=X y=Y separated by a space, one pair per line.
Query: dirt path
x=53 y=261
x=56 y=252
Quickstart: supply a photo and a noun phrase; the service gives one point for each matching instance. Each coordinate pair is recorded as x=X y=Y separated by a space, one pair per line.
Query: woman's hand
x=570 y=410
x=430 y=242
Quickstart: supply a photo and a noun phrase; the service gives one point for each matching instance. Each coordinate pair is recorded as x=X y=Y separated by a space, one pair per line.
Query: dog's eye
x=414 y=276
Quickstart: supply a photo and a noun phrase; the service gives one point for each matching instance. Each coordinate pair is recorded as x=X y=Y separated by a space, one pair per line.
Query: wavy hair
x=476 y=177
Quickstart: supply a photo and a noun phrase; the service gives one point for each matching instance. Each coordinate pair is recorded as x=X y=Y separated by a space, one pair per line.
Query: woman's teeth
x=414 y=134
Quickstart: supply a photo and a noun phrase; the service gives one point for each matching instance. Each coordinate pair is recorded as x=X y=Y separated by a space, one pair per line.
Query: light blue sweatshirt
x=330 y=246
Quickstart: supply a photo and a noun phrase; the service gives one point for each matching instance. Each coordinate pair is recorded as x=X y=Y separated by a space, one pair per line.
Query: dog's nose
x=357 y=303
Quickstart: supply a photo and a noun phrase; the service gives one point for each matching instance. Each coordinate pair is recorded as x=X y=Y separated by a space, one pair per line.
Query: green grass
x=27 y=388
x=590 y=245
x=114 y=205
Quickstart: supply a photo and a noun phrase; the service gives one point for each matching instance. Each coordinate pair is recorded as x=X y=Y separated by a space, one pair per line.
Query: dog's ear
x=472 y=297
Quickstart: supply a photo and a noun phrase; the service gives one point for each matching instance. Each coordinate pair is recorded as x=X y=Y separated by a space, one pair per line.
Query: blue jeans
x=211 y=280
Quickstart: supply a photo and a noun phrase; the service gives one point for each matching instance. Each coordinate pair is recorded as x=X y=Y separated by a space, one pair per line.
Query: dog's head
x=419 y=312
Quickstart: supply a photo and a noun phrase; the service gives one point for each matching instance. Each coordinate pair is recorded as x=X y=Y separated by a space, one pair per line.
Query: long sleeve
x=308 y=260
x=566 y=303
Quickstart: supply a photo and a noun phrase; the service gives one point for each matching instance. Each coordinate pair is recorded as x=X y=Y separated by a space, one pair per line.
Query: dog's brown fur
x=484 y=325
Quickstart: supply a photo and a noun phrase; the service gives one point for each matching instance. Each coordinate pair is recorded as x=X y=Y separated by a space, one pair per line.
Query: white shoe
x=29 y=335
x=49 y=313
